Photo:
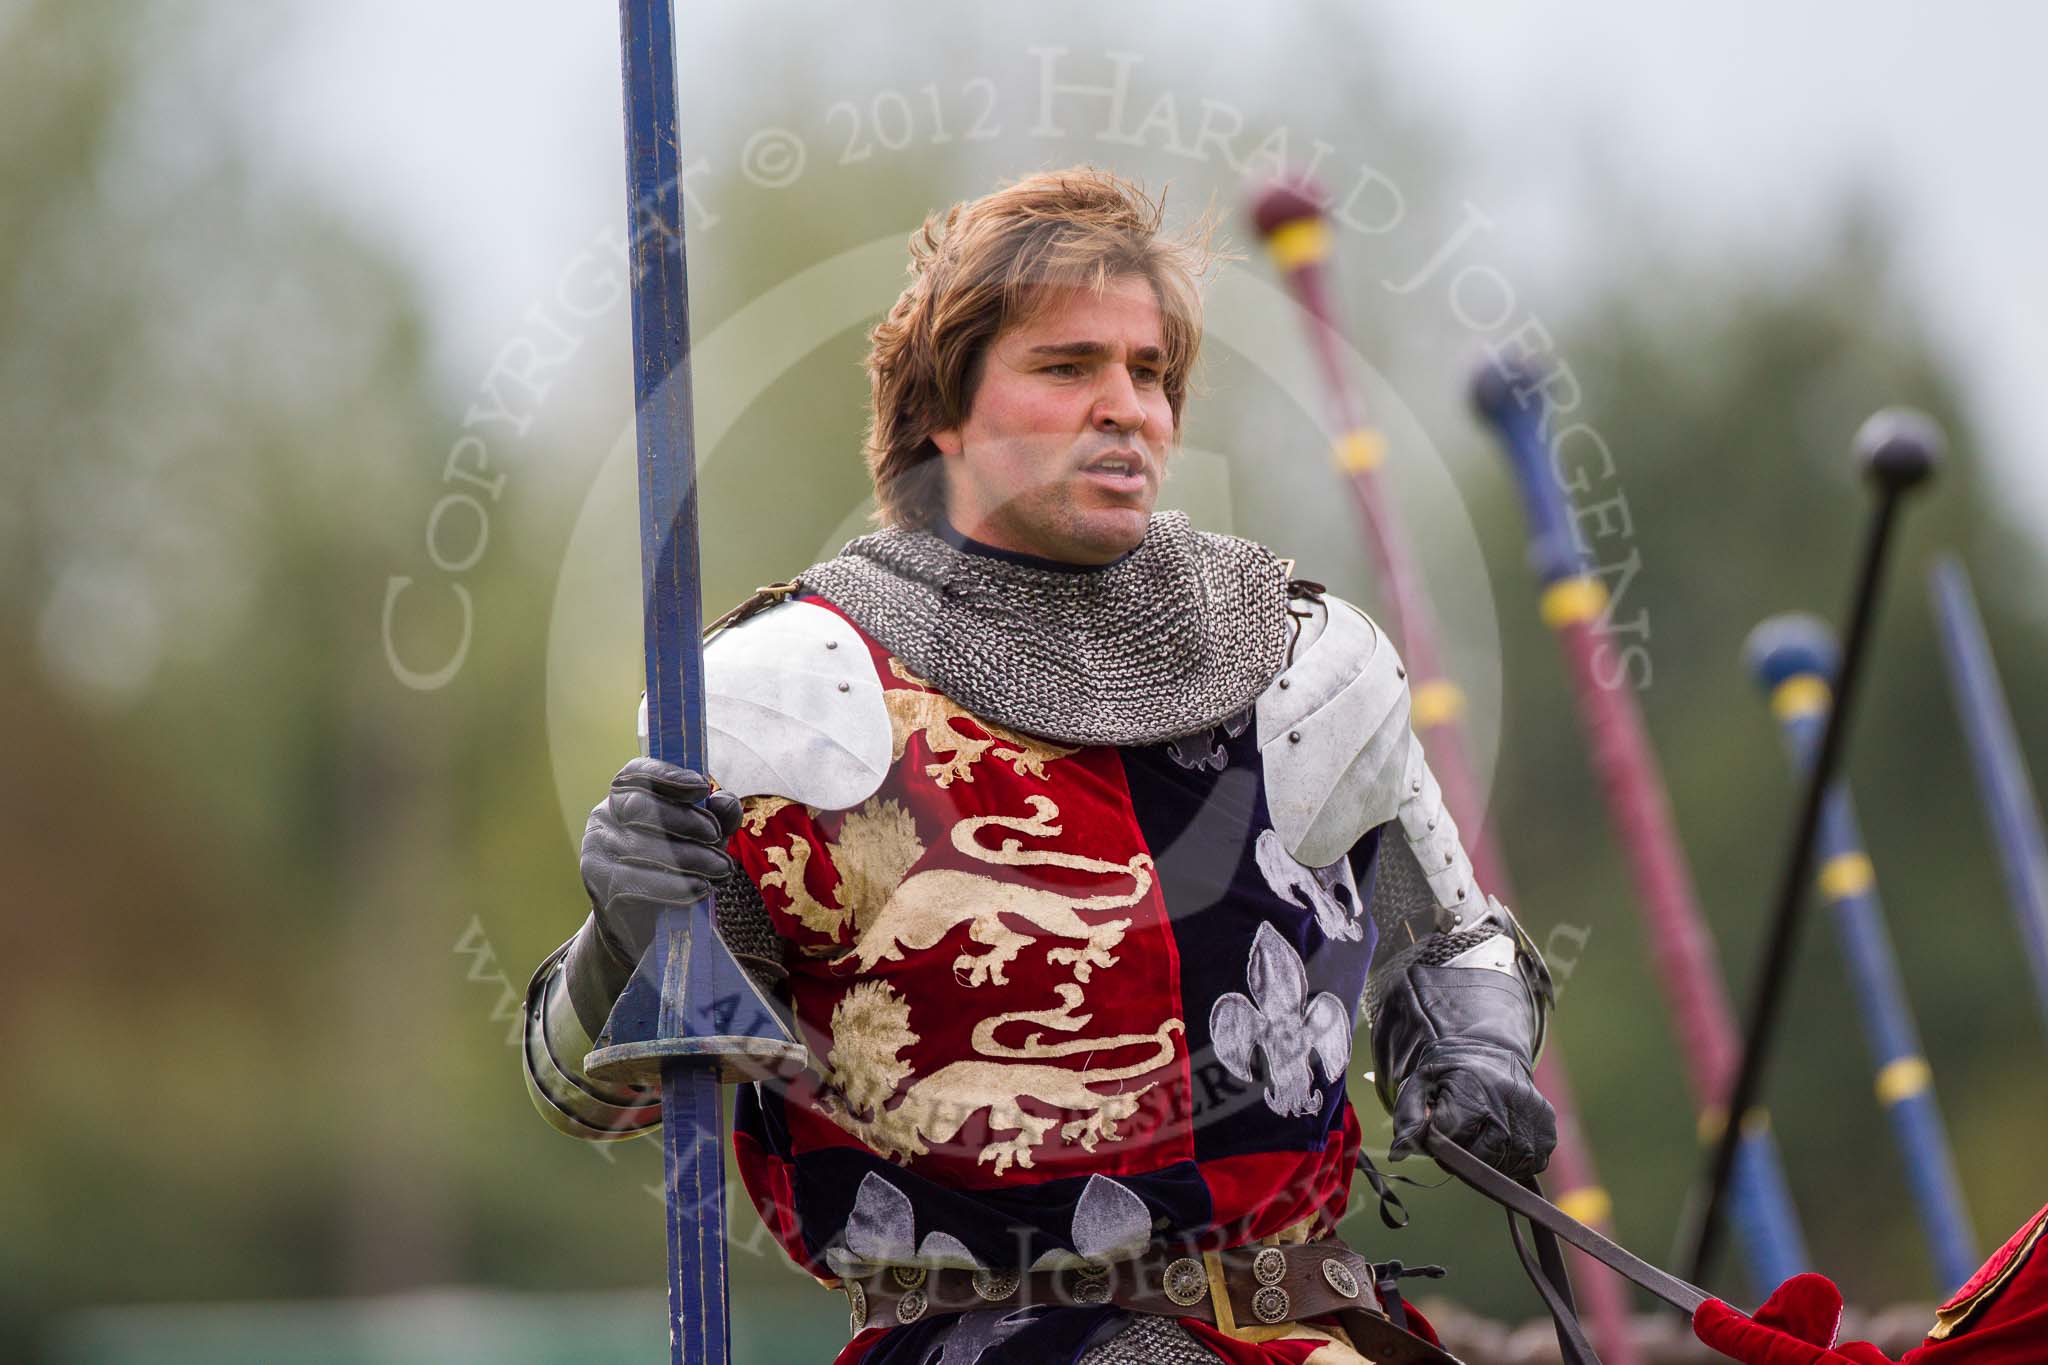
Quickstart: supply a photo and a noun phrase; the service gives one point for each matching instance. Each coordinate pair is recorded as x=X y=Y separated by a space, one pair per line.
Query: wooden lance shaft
x=1792 y=658
x=1573 y=602
x=1999 y=764
x=690 y=1019
x=1290 y=218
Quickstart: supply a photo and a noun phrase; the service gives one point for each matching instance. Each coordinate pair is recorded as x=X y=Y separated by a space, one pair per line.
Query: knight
x=1077 y=842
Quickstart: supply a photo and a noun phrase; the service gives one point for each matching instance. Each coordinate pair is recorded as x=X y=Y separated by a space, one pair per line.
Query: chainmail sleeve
x=742 y=920
x=1412 y=926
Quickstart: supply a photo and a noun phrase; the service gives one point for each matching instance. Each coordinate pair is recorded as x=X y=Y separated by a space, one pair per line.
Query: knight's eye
x=1064 y=367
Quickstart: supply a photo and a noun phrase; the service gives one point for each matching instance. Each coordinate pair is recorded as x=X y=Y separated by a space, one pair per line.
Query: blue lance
x=690 y=1020
x=1793 y=658
x=2001 y=771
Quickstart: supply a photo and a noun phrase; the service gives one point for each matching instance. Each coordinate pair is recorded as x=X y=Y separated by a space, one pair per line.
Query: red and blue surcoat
x=1062 y=1003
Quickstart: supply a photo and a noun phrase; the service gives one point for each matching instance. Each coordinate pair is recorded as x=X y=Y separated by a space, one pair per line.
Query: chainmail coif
x=1175 y=637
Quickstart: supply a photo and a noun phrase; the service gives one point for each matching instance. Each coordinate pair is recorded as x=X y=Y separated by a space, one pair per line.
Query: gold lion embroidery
x=871 y=1026
x=931 y=714
x=877 y=844
x=926 y=906
x=757 y=811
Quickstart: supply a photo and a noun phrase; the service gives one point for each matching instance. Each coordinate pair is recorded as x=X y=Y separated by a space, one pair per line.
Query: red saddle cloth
x=1998 y=1317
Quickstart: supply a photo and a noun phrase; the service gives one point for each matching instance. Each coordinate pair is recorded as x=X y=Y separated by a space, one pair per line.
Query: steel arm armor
x=1341 y=761
x=1451 y=961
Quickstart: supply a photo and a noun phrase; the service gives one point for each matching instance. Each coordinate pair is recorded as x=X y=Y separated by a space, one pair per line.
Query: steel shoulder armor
x=793 y=708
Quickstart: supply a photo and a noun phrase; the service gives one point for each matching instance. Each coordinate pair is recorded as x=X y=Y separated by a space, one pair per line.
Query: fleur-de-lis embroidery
x=1329 y=891
x=1201 y=749
x=1280 y=1021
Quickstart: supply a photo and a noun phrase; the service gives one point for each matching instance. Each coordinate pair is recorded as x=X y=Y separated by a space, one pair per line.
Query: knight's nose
x=1118 y=408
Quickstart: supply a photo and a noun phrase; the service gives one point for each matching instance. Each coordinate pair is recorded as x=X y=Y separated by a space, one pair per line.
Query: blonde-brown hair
x=986 y=266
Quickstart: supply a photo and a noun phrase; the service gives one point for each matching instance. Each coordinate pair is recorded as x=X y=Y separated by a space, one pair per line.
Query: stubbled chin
x=1111 y=531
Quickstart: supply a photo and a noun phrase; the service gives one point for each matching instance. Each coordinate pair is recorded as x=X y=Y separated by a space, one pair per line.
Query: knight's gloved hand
x=656 y=842
x=1795 y=1326
x=1455 y=1032
x=1482 y=1097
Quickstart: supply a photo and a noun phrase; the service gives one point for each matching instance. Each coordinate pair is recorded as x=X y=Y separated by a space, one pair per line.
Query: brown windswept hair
x=988 y=265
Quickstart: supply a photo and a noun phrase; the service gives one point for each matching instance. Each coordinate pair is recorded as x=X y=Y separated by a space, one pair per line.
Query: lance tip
x=1288 y=199
x=1900 y=448
x=1790 y=645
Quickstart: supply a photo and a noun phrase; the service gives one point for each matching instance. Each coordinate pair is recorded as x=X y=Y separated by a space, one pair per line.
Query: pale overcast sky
x=462 y=132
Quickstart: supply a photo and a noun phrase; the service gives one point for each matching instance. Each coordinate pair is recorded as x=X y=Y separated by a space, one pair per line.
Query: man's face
x=1065 y=444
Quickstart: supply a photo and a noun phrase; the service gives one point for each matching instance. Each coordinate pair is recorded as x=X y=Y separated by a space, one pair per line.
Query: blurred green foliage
x=272 y=909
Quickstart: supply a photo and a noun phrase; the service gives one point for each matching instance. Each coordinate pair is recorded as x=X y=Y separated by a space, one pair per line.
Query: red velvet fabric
x=2008 y=1324
x=1235 y=1352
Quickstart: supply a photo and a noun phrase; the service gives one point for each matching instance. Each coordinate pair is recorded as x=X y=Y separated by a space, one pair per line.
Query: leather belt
x=1251 y=1286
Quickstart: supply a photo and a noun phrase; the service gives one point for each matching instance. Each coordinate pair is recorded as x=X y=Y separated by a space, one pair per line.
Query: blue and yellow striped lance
x=1792 y=658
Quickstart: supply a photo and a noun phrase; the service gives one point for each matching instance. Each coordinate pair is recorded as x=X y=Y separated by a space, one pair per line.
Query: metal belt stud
x=1340 y=1277
x=910 y=1307
x=908 y=1276
x=857 y=1300
x=994 y=1286
x=1186 y=1282
x=1269 y=1267
x=1092 y=1286
x=1271 y=1304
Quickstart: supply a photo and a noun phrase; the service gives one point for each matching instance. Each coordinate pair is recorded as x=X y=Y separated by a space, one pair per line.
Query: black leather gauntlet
x=1457 y=1021
x=656 y=842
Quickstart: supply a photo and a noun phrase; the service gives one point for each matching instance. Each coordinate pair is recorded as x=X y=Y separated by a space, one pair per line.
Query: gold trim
x=1954 y=1315
x=1219 y=1294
